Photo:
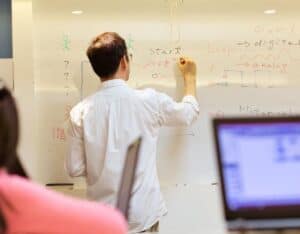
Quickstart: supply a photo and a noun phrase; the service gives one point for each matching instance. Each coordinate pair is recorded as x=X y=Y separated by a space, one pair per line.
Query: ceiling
x=179 y=8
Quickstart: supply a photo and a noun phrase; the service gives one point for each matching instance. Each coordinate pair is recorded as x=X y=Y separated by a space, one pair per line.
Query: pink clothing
x=30 y=208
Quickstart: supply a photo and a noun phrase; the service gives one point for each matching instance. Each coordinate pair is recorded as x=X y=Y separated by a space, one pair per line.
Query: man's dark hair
x=105 y=53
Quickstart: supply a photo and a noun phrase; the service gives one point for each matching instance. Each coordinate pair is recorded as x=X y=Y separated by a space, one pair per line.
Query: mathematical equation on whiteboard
x=161 y=62
x=268 y=60
x=270 y=44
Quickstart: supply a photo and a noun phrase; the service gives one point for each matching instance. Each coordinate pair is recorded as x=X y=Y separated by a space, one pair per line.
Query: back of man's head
x=105 y=53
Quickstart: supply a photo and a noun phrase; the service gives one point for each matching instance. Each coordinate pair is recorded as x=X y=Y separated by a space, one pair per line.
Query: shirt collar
x=113 y=83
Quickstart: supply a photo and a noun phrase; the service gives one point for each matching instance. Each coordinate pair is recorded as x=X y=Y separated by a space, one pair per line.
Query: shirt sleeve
x=75 y=159
x=173 y=113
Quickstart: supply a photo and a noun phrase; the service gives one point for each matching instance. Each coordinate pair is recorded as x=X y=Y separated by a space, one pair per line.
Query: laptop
x=128 y=175
x=259 y=168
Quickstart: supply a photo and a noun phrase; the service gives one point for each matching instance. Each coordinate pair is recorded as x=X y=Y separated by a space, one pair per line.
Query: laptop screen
x=259 y=162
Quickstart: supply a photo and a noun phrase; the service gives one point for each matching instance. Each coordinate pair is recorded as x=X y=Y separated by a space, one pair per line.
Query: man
x=104 y=124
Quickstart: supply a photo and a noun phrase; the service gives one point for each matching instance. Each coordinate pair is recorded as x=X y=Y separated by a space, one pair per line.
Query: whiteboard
x=7 y=72
x=247 y=65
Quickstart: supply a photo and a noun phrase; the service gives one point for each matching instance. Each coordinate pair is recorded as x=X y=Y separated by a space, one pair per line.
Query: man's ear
x=124 y=62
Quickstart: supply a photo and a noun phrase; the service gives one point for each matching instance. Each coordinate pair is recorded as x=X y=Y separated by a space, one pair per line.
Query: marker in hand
x=187 y=66
x=182 y=61
x=188 y=71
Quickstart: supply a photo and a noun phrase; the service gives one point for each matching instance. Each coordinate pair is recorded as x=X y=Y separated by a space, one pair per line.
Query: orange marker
x=182 y=61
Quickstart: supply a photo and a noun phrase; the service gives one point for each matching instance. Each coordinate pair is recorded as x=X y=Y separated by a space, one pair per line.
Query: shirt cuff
x=193 y=101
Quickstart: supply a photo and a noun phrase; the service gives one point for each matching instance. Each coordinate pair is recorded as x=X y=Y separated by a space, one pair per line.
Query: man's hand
x=189 y=71
x=187 y=68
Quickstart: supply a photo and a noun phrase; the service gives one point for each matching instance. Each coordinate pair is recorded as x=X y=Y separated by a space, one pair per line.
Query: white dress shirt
x=101 y=128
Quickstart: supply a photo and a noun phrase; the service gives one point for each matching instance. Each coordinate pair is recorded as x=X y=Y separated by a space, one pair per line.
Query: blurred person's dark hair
x=9 y=137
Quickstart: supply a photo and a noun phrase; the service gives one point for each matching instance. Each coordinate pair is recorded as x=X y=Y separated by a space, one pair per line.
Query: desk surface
x=193 y=209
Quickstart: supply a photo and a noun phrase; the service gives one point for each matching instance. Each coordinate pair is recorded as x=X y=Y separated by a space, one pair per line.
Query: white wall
x=24 y=81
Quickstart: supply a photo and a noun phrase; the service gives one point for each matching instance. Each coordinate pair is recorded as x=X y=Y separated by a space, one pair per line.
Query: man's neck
x=116 y=77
